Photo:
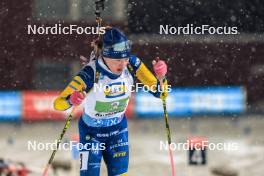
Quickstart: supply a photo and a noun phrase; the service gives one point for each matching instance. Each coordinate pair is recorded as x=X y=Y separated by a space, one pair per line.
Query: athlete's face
x=116 y=65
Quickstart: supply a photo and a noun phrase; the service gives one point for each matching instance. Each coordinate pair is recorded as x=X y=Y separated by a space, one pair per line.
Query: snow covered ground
x=146 y=158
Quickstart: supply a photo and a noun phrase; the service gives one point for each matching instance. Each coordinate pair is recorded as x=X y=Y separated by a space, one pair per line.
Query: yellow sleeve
x=61 y=103
x=145 y=76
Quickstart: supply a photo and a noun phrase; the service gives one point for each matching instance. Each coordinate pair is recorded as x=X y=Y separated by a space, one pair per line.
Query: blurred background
x=217 y=82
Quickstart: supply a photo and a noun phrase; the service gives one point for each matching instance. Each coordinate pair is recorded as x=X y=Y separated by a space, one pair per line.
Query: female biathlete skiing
x=105 y=85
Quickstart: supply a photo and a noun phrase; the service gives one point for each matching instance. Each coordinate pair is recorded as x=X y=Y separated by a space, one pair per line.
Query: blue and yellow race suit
x=103 y=123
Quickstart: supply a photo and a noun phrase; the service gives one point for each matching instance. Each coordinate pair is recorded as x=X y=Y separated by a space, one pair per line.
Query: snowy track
x=146 y=158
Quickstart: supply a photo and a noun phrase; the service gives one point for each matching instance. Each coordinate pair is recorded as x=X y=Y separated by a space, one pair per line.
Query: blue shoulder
x=87 y=75
x=134 y=61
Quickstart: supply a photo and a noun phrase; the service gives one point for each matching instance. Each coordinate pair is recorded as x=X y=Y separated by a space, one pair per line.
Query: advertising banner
x=193 y=101
x=38 y=105
x=10 y=106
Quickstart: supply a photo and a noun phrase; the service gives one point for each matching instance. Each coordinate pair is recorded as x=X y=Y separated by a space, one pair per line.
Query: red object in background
x=38 y=105
x=197 y=142
x=75 y=137
x=130 y=107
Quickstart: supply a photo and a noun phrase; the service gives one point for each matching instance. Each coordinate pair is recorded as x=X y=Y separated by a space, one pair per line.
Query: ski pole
x=66 y=126
x=166 y=119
